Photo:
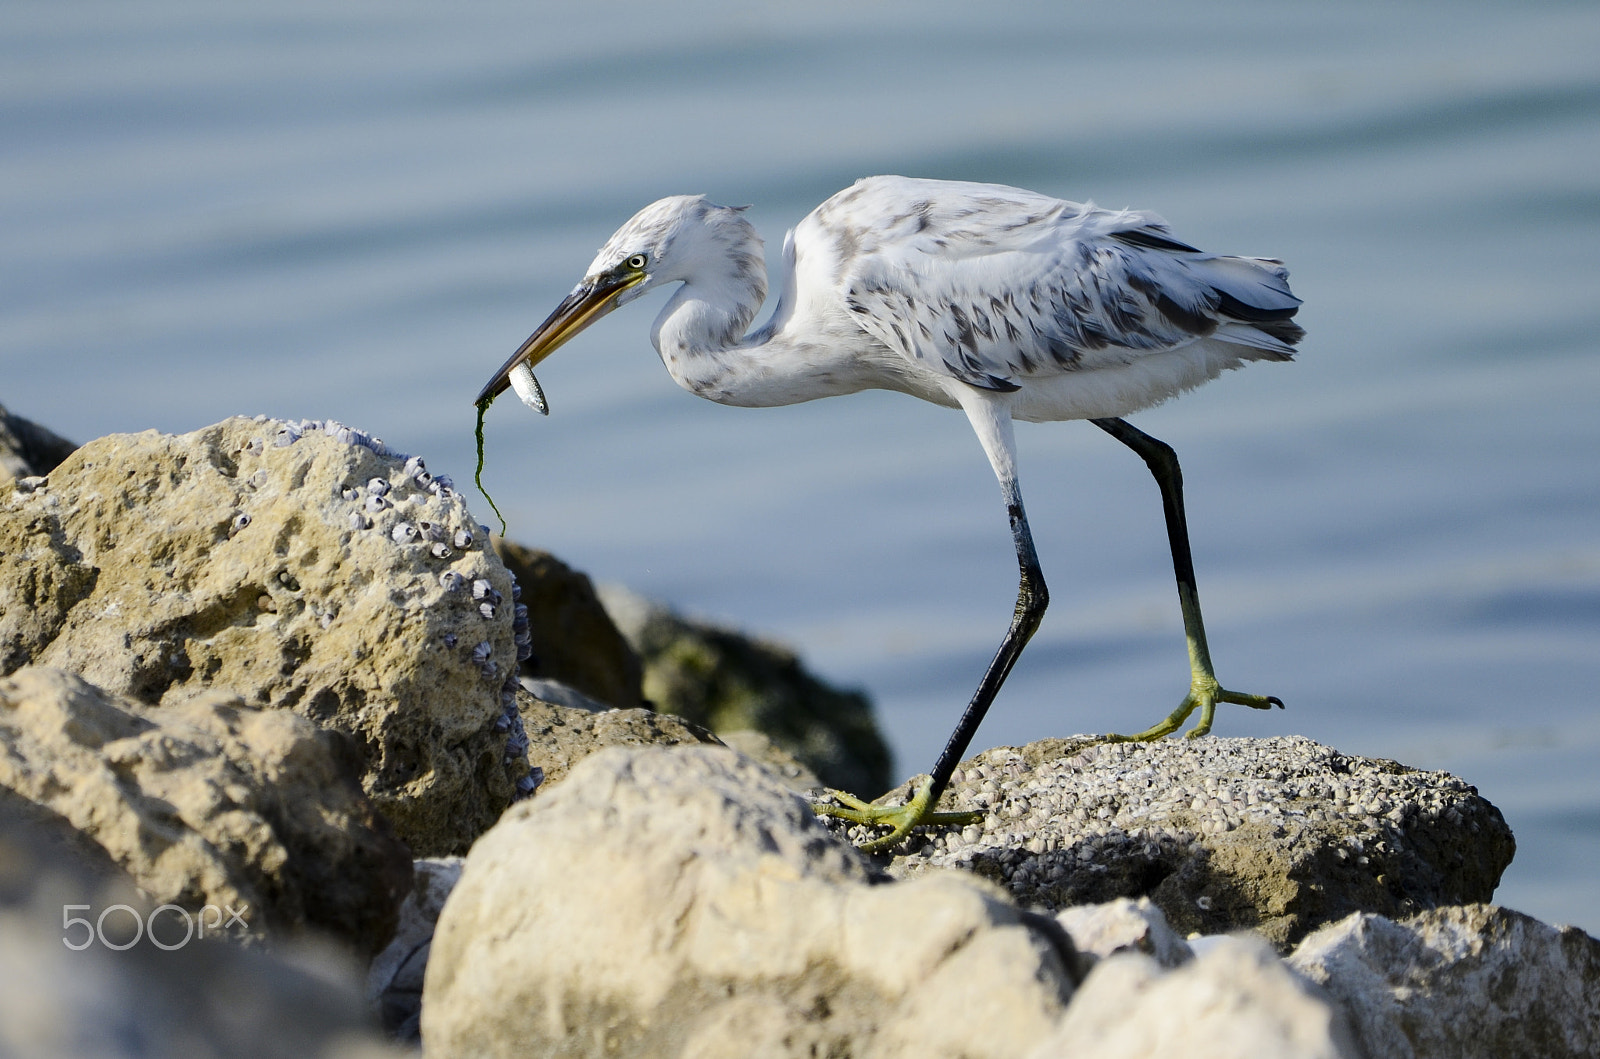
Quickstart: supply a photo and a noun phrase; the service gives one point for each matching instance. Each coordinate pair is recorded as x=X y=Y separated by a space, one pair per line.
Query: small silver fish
x=527 y=388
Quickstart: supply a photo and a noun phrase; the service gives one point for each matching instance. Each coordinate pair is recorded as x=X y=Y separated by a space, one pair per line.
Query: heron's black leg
x=1204 y=691
x=1032 y=598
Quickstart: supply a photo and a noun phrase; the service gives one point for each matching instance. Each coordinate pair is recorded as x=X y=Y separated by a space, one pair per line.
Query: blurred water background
x=358 y=210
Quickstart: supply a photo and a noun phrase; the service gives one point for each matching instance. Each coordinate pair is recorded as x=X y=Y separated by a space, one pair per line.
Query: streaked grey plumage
x=1005 y=303
x=1003 y=285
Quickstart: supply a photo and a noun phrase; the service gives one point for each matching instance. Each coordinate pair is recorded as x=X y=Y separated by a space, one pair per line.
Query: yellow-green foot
x=1205 y=695
x=899 y=818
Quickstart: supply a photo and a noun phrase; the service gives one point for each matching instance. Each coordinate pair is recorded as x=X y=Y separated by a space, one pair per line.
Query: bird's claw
x=899 y=818
x=1203 y=695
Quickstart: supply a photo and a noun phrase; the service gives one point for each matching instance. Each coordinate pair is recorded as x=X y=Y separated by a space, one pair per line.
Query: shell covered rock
x=244 y=557
x=1274 y=835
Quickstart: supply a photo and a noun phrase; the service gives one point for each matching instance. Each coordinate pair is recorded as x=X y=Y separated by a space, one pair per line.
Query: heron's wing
x=995 y=290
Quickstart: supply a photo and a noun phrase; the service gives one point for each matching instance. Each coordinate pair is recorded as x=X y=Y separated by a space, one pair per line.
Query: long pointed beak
x=588 y=302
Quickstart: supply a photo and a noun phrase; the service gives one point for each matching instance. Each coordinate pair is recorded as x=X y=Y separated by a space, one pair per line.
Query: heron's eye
x=637 y=262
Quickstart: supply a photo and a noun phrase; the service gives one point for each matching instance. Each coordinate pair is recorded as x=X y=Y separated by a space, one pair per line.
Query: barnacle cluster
x=443 y=538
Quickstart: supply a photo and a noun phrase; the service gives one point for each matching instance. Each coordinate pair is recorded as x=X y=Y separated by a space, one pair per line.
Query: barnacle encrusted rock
x=1275 y=835
x=299 y=565
x=678 y=901
x=209 y=802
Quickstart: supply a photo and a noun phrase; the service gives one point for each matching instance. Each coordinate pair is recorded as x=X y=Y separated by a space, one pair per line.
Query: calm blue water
x=357 y=211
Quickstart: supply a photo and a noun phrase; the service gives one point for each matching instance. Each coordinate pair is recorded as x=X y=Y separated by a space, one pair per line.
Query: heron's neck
x=708 y=315
x=700 y=335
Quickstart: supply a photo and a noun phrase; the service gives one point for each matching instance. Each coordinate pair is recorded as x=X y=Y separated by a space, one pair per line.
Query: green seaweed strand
x=483 y=408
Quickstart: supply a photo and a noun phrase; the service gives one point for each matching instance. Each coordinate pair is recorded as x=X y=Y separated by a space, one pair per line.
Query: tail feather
x=1263 y=337
x=1260 y=283
x=1254 y=298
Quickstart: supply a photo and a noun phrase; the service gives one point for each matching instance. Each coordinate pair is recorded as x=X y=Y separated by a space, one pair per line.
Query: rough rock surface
x=725 y=681
x=1123 y=925
x=28 y=449
x=573 y=638
x=291 y=564
x=680 y=902
x=394 y=979
x=62 y=994
x=1275 y=835
x=1475 y=982
x=210 y=803
x=1235 y=1001
x=561 y=736
x=759 y=747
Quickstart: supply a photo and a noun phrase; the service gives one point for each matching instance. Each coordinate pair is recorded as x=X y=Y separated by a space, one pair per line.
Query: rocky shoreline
x=273 y=782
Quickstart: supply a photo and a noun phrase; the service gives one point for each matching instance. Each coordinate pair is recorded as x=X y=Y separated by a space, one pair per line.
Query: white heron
x=1004 y=303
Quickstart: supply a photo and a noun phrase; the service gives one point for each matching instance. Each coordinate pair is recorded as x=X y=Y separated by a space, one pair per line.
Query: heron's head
x=674 y=239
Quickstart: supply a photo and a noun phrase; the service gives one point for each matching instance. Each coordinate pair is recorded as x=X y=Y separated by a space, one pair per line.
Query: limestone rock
x=725 y=681
x=573 y=638
x=1235 y=1001
x=28 y=449
x=561 y=736
x=1123 y=925
x=394 y=980
x=210 y=803
x=291 y=564
x=1275 y=835
x=679 y=902
x=758 y=746
x=1475 y=982
x=64 y=991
